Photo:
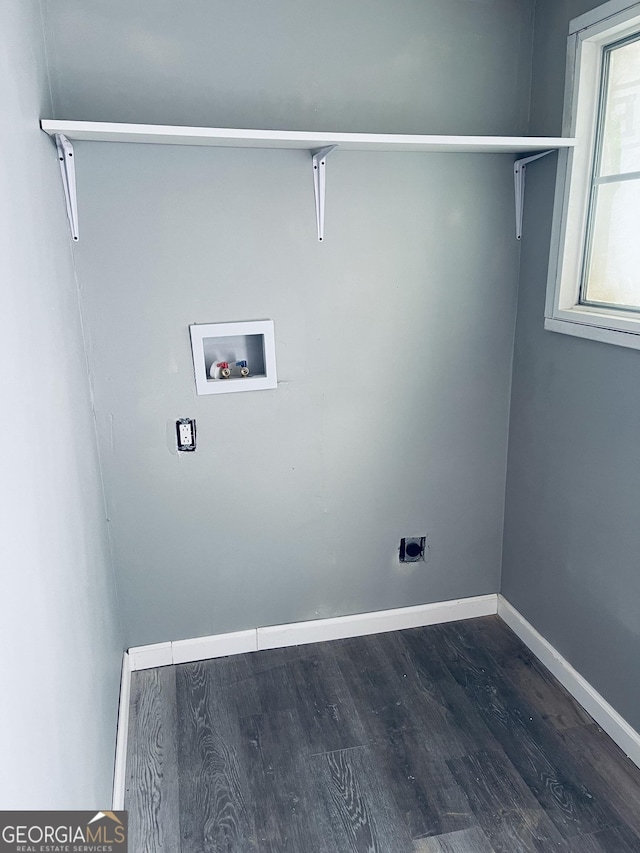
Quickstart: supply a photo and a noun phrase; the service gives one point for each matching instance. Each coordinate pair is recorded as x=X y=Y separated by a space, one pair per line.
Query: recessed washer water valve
x=244 y=367
x=225 y=370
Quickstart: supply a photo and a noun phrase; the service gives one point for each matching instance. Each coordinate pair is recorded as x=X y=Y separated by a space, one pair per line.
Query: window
x=594 y=273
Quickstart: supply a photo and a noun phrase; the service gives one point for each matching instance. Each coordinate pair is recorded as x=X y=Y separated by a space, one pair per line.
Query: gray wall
x=572 y=526
x=394 y=337
x=397 y=66
x=60 y=638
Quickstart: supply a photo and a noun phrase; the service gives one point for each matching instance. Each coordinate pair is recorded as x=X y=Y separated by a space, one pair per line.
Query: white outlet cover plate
x=205 y=385
x=186 y=435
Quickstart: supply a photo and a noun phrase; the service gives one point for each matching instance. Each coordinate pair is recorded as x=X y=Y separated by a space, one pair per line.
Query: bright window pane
x=621 y=138
x=613 y=273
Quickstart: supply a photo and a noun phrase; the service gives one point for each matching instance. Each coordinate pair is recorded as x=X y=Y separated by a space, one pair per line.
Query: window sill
x=593 y=333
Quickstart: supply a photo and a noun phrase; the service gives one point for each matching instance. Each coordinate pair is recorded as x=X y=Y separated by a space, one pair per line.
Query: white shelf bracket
x=319 y=159
x=68 y=170
x=519 y=174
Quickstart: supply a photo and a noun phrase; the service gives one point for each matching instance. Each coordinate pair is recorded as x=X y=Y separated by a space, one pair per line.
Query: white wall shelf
x=320 y=144
x=101 y=131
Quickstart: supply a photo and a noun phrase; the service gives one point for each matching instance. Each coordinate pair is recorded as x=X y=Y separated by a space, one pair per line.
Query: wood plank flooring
x=446 y=739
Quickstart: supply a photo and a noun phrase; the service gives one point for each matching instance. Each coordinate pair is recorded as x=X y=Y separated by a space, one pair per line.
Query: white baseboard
x=360 y=624
x=216 y=646
x=315 y=631
x=148 y=657
x=627 y=738
x=122 y=734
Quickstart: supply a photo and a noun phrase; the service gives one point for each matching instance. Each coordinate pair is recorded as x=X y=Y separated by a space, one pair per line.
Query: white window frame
x=588 y=36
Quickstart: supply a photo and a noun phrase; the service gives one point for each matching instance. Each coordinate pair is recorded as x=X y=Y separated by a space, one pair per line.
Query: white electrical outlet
x=186 y=434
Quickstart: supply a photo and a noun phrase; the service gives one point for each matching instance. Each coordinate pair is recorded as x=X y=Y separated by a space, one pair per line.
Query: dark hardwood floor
x=447 y=739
